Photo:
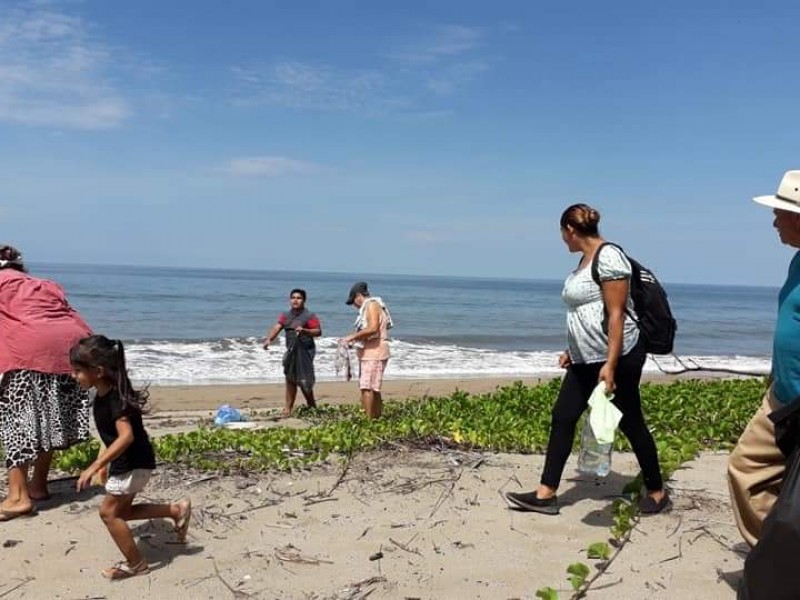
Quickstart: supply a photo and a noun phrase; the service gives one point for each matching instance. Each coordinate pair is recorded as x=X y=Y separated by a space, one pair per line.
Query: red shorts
x=371 y=374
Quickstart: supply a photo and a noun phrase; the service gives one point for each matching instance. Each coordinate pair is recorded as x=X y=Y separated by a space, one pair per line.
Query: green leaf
x=579 y=569
x=578 y=573
x=547 y=593
x=599 y=551
x=576 y=582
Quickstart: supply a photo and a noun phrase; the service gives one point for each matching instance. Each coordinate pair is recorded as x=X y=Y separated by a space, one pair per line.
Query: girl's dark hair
x=11 y=258
x=582 y=218
x=298 y=291
x=99 y=351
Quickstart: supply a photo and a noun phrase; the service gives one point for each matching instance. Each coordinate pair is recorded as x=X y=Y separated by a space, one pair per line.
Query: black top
x=139 y=455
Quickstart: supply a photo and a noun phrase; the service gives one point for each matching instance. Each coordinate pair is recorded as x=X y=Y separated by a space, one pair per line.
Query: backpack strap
x=596 y=273
x=596 y=259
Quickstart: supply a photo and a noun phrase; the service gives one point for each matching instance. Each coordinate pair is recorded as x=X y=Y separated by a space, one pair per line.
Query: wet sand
x=270 y=395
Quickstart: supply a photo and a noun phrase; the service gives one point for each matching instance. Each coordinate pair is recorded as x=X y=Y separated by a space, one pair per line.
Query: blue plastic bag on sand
x=227 y=414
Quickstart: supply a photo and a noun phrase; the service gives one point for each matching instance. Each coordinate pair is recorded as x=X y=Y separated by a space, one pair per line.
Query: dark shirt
x=290 y=320
x=139 y=455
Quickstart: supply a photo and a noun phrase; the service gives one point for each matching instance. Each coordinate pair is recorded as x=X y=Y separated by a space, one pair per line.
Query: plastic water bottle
x=594 y=457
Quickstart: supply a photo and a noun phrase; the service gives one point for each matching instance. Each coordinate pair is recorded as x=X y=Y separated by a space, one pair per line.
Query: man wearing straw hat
x=756 y=466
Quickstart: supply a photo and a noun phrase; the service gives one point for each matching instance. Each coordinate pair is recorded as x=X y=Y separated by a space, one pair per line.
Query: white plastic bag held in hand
x=604 y=416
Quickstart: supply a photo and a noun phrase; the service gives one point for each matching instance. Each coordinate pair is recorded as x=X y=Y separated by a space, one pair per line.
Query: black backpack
x=656 y=323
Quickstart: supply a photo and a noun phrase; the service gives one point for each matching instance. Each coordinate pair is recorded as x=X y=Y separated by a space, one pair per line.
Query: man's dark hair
x=298 y=291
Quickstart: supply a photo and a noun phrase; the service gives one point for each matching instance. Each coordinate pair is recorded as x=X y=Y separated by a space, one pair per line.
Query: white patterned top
x=586 y=341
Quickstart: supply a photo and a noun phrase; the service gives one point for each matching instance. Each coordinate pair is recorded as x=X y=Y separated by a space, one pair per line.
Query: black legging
x=573 y=398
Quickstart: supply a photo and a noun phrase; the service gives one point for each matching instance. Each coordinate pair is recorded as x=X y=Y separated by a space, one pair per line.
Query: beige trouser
x=755 y=472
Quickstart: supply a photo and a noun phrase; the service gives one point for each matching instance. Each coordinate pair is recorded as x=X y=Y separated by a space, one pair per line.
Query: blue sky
x=397 y=137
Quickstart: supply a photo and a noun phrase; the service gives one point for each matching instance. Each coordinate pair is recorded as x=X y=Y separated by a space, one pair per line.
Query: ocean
x=204 y=326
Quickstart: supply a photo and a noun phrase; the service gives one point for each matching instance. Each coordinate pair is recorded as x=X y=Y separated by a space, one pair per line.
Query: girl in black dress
x=99 y=363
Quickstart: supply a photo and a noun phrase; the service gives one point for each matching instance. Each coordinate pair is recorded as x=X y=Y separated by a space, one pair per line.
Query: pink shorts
x=371 y=376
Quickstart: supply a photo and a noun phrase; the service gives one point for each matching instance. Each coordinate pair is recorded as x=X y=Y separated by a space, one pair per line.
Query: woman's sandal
x=123 y=570
x=182 y=524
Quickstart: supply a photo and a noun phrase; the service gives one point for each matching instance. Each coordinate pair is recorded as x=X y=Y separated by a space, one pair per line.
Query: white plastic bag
x=604 y=416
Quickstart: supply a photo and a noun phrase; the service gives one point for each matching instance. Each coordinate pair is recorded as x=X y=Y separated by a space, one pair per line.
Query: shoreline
x=180 y=398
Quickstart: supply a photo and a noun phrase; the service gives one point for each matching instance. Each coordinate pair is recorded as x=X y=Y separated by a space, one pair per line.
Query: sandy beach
x=397 y=524
x=401 y=523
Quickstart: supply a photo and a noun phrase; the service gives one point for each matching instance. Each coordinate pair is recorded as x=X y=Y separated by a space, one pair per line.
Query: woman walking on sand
x=99 y=363
x=603 y=346
x=41 y=407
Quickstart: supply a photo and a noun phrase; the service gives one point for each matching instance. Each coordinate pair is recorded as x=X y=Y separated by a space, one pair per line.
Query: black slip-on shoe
x=648 y=506
x=529 y=501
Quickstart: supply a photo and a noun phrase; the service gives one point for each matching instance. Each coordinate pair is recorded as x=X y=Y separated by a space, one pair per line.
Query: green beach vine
x=685 y=417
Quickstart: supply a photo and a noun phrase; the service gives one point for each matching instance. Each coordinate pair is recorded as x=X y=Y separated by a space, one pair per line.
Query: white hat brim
x=775 y=202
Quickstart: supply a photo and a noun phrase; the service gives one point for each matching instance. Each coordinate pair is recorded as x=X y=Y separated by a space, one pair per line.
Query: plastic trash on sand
x=227 y=414
x=604 y=416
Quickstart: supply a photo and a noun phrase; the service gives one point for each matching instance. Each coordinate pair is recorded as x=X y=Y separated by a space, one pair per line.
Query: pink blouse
x=37 y=325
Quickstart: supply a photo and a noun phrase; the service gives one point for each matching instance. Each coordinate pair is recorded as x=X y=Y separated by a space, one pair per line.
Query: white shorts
x=128 y=483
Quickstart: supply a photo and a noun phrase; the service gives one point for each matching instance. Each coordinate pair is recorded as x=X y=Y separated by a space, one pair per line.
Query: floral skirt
x=40 y=412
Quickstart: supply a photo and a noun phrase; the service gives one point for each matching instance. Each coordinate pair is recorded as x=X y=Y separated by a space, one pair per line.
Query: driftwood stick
x=342 y=475
x=25 y=581
x=319 y=500
x=693 y=366
x=445 y=493
x=266 y=504
x=236 y=593
x=405 y=548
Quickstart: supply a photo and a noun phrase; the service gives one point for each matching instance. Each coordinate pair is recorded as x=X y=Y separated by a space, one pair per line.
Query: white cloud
x=447 y=58
x=439 y=63
x=452 y=77
x=54 y=73
x=301 y=85
x=271 y=166
x=443 y=43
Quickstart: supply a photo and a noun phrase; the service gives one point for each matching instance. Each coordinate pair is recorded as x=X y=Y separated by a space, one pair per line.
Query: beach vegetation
x=685 y=417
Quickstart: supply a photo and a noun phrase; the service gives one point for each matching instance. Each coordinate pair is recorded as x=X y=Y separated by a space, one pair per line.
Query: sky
x=440 y=138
